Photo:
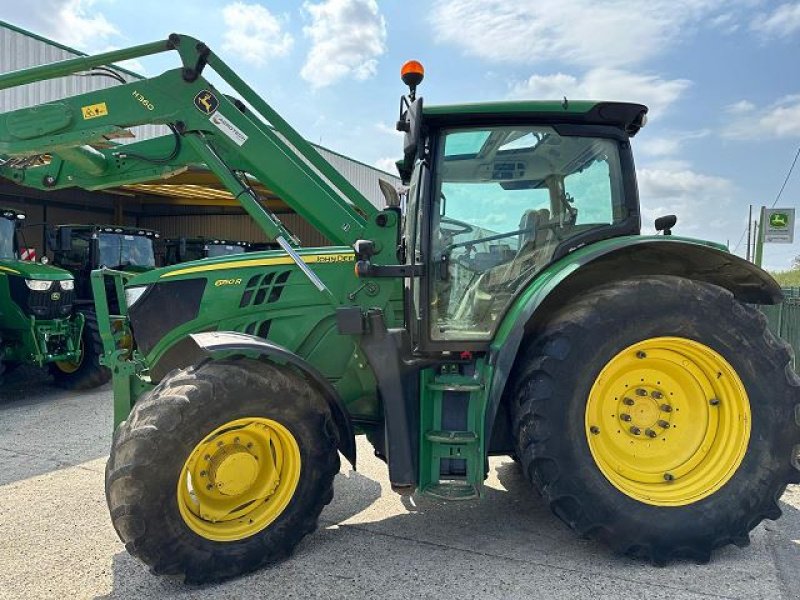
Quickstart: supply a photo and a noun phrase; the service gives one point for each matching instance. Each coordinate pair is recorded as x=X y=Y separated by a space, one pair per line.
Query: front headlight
x=133 y=294
x=38 y=285
x=67 y=285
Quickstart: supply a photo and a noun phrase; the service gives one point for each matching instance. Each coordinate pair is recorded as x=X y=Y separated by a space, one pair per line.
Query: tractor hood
x=209 y=266
x=32 y=270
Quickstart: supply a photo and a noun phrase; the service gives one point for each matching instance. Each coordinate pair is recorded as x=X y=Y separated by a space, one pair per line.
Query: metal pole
x=749 y=220
x=760 y=237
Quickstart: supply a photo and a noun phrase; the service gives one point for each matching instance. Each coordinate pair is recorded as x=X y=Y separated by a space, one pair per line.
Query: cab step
x=452 y=490
x=456 y=438
x=452 y=409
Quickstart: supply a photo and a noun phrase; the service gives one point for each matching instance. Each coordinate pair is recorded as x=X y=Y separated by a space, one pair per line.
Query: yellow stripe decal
x=10 y=270
x=263 y=262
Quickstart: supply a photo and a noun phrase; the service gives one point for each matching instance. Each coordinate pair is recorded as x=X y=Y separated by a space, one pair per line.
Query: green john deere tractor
x=80 y=249
x=509 y=305
x=36 y=322
x=183 y=249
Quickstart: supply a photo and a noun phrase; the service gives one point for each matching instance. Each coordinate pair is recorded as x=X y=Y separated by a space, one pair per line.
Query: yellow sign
x=94 y=110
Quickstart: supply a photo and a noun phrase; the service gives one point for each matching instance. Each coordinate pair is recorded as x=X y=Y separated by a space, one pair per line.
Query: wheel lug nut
x=249 y=444
x=594 y=429
x=669 y=477
x=635 y=430
x=641 y=392
x=207 y=457
x=714 y=402
x=650 y=433
x=663 y=424
x=641 y=354
x=220 y=444
x=657 y=395
x=625 y=417
x=209 y=487
x=666 y=408
x=202 y=473
x=627 y=401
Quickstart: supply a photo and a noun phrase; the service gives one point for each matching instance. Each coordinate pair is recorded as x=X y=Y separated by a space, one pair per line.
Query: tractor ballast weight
x=509 y=306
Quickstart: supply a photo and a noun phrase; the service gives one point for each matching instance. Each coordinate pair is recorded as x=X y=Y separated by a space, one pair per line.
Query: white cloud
x=347 y=37
x=778 y=120
x=254 y=33
x=668 y=144
x=582 y=32
x=76 y=23
x=388 y=164
x=605 y=84
x=781 y=22
x=675 y=188
x=740 y=107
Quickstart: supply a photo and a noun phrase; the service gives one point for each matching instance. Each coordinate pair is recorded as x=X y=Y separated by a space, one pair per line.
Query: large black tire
x=151 y=447
x=89 y=373
x=559 y=363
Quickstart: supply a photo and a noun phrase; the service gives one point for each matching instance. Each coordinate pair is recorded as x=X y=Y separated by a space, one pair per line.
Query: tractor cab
x=83 y=248
x=9 y=222
x=497 y=192
x=181 y=250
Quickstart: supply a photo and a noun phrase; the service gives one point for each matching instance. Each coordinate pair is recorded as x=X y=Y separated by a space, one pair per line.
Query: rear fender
x=608 y=261
x=219 y=345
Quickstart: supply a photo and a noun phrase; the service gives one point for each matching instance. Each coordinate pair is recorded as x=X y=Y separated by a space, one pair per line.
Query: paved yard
x=57 y=541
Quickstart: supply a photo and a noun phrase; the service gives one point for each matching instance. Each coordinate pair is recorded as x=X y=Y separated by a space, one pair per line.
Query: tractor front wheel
x=221 y=469
x=660 y=416
x=86 y=373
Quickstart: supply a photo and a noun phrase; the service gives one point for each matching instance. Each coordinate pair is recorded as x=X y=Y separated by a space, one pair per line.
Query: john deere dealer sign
x=779 y=226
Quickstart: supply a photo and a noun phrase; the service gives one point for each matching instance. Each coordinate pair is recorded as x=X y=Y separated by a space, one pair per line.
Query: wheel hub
x=233 y=470
x=668 y=421
x=239 y=479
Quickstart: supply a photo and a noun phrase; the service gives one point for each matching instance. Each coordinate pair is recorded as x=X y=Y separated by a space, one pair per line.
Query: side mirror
x=666 y=223
x=412 y=125
x=60 y=239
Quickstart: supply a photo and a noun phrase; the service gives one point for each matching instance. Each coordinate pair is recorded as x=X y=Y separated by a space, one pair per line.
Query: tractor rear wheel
x=660 y=416
x=87 y=372
x=222 y=469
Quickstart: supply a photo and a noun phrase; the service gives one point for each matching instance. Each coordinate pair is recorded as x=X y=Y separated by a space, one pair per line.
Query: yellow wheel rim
x=239 y=479
x=668 y=421
x=69 y=367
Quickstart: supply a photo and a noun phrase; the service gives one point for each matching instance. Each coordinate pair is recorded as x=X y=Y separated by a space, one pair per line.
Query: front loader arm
x=208 y=127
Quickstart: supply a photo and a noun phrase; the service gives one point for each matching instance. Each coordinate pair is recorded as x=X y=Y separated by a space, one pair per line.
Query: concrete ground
x=56 y=540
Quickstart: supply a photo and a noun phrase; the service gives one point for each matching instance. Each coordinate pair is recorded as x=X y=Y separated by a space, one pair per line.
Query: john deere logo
x=779 y=220
x=206 y=102
x=55 y=296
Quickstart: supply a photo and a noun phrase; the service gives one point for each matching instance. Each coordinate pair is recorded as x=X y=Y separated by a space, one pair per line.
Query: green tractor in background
x=37 y=326
x=80 y=249
x=509 y=306
x=183 y=249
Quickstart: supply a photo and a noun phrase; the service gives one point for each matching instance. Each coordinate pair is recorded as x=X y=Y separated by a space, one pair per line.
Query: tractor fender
x=224 y=344
x=607 y=261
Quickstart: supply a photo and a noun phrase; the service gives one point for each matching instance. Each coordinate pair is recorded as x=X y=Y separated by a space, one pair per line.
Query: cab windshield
x=120 y=251
x=223 y=250
x=505 y=199
x=7 y=231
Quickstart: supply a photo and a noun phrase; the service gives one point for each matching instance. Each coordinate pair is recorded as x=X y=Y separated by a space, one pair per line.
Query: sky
x=721 y=77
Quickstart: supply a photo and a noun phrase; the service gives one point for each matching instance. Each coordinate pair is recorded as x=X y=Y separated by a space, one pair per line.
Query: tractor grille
x=55 y=303
x=264 y=289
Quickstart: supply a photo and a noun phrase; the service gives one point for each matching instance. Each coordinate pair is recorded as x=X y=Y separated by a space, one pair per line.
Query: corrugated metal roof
x=20 y=49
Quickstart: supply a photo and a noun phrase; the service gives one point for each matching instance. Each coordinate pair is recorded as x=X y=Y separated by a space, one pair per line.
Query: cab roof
x=626 y=115
x=124 y=229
